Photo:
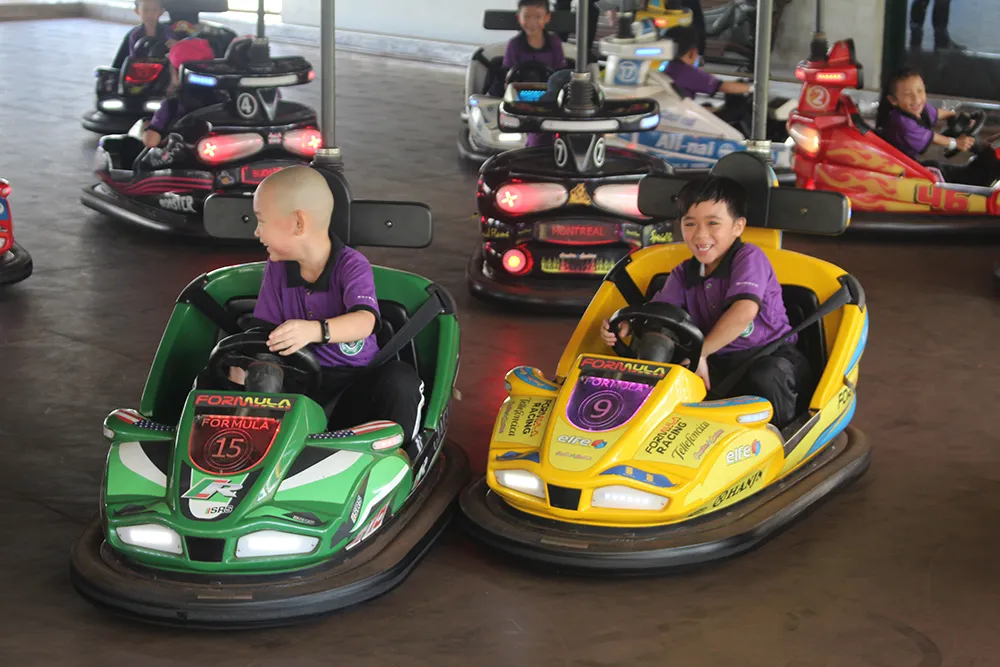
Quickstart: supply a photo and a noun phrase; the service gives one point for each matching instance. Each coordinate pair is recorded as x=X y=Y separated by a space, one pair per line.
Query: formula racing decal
x=224 y=401
x=678 y=441
x=522 y=420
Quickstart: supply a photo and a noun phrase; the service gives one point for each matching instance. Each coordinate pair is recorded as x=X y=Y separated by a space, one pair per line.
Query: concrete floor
x=898 y=571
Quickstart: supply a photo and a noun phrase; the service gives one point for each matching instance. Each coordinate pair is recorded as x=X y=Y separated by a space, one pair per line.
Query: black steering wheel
x=300 y=371
x=969 y=123
x=661 y=332
x=150 y=47
x=530 y=71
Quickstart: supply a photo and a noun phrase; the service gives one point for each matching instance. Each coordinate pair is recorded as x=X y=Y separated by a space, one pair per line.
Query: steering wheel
x=660 y=331
x=530 y=71
x=969 y=123
x=300 y=369
x=150 y=47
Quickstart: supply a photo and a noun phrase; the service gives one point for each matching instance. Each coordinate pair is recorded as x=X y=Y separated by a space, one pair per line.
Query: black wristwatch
x=326 y=331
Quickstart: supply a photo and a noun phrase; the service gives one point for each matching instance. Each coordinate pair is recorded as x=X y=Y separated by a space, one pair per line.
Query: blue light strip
x=202 y=80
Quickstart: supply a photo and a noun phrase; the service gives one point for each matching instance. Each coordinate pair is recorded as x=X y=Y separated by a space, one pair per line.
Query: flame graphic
x=868 y=159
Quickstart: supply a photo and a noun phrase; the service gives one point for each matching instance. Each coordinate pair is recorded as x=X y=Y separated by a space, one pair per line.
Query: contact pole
x=329 y=153
x=757 y=142
x=260 y=19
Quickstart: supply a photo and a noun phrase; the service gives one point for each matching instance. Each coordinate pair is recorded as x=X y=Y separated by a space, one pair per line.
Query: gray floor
x=898 y=571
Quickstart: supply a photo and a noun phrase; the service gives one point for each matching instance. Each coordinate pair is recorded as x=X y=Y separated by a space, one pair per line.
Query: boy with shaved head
x=322 y=293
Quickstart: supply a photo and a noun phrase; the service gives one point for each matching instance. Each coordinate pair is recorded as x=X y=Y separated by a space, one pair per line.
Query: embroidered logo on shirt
x=353 y=349
x=749 y=330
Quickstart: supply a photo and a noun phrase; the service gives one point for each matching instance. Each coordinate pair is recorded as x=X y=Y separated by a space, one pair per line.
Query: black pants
x=982 y=169
x=782 y=377
x=392 y=391
x=939 y=18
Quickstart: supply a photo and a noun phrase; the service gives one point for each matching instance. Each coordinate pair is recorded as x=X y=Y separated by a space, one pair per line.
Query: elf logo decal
x=207 y=488
x=586 y=442
x=743 y=453
x=352 y=349
x=749 y=330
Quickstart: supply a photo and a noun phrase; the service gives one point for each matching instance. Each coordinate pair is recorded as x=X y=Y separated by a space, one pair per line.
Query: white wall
x=441 y=20
x=861 y=19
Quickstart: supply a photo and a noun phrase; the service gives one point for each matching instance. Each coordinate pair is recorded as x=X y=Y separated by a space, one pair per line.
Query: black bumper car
x=215 y=156
x=556 y=218
x=133 y=87
x=15 y=262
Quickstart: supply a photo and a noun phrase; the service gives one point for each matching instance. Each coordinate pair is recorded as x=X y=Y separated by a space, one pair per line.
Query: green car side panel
x=124 y=484
x=330 y=490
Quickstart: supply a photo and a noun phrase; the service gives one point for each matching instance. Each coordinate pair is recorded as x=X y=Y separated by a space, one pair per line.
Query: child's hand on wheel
x=608 y=337
x=965 y=142
x=237 y=375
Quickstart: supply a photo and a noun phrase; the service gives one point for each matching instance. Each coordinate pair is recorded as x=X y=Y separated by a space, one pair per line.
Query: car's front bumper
x=725 y=533
x=15 y=265
x=112 y=582
x=564 y=296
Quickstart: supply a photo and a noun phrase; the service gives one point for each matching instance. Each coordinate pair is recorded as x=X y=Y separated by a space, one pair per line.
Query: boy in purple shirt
x=533 y=42
x=322 y=293
x=149 y=12
x=907 y=122
x=181 y=101
x=732 y=294
x=684 y=69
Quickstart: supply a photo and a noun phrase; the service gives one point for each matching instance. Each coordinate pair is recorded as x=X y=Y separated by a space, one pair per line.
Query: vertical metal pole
x=757 y=141
x=330 y=153
x=582 y=31
x=260 y=19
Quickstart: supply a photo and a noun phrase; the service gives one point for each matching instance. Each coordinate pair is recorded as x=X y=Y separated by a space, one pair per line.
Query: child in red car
x=907 y=121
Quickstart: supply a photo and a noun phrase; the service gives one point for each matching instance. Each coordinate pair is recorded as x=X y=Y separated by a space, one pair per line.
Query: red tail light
x=522 y=198
x=140 y=73
x=220 y=148
x=303 y=142
x=516 y=261
x=622 y=198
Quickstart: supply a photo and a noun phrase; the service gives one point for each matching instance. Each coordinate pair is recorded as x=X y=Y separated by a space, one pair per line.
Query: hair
x=544 y=4
x=139 y=2
x=300 y=188
x=885 y=107
x=713 y=189
x=684 y=37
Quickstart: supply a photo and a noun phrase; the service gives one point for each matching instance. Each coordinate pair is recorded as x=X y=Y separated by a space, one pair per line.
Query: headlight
x=151 y=536
x=523 y=481
x=626 y=498
x=476 y=115
x=274 y=543
x=509 y=137
x=805 y=137
x=112 y=105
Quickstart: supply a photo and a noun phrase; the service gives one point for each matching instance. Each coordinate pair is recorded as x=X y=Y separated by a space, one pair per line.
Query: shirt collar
x=293 y=274
x=694 y=271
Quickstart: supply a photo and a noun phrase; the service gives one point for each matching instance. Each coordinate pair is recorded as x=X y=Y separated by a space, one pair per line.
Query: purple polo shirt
x=744 y=273
x=910 y=134
x=519 y=51
x=691 y=80
x=345 y=285
x=163 y=33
